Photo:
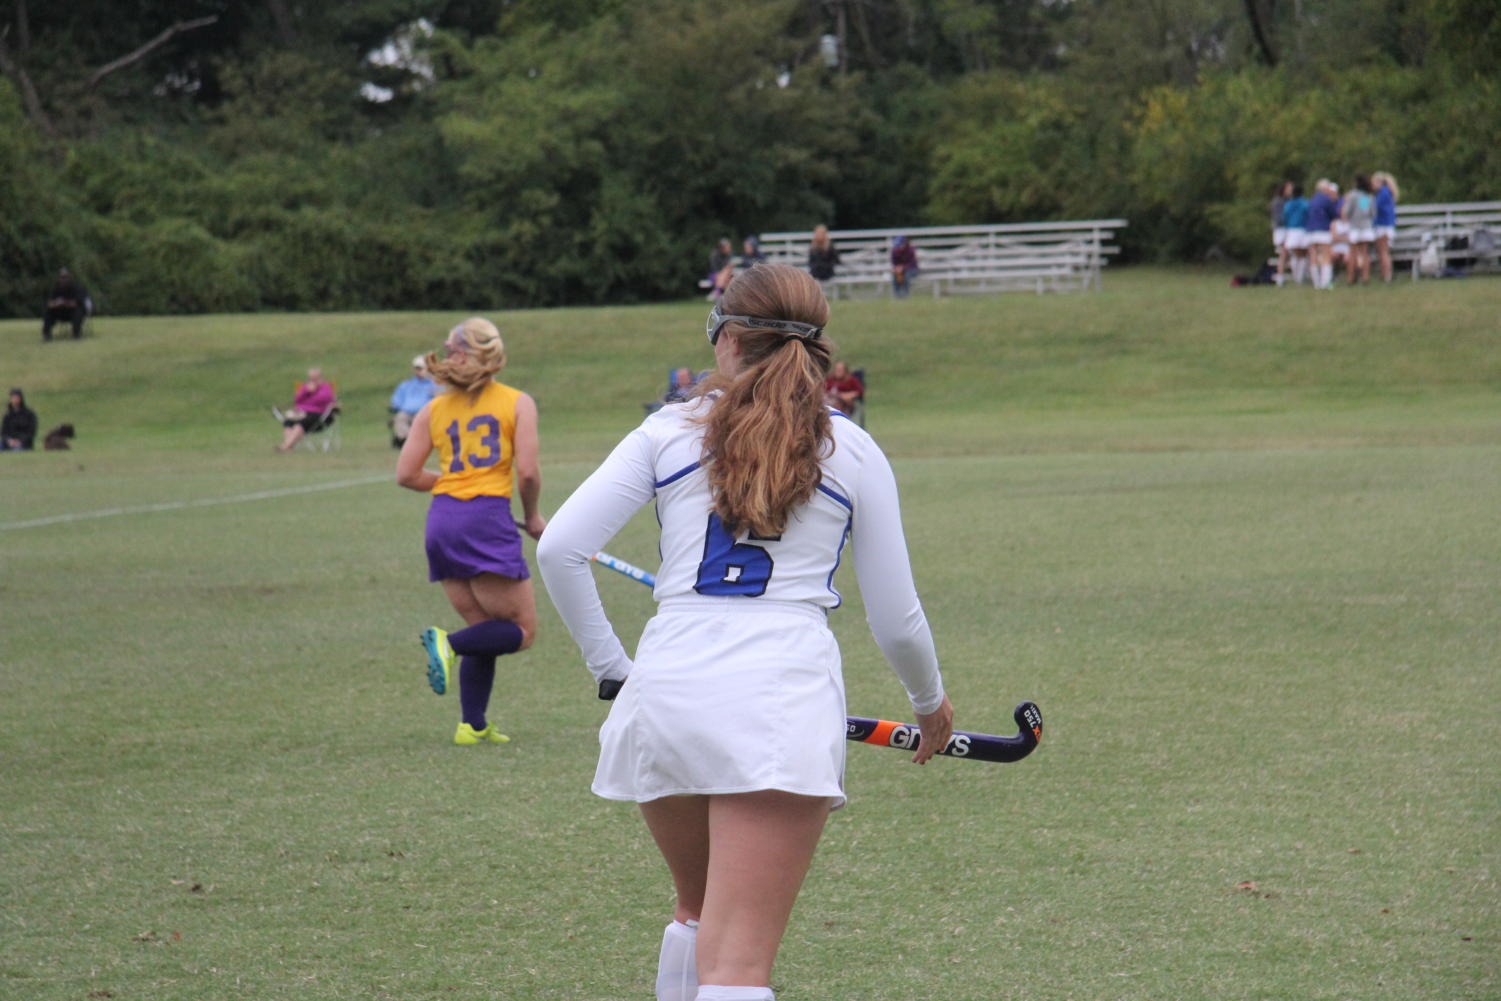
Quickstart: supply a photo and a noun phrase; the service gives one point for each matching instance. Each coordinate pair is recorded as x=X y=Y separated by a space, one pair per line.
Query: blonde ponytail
x=484 y=355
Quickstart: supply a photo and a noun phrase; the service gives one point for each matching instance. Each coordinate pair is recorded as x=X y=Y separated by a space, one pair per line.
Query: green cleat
x=466 y=735
x=440 y=658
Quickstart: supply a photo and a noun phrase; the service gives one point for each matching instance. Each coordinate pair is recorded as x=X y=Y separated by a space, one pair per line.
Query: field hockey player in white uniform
x=729 y=725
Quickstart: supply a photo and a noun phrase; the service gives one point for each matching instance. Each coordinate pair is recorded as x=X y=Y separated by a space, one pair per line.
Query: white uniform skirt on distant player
x=728 y=695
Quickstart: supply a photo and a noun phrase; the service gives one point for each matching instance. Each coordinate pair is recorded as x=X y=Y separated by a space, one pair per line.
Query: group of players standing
x=1314 y=235
x=727 y=726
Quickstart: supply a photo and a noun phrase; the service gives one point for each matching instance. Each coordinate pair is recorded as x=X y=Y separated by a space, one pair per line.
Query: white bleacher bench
x=1419 y=225
x=1002 y=257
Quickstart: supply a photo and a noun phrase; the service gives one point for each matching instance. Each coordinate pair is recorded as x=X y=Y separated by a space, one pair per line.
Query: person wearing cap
x=751 y=253
x=903 y=266
x=727 y=726
x=410 y=396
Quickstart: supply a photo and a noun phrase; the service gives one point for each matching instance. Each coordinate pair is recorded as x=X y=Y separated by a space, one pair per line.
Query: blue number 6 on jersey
x=731 y=567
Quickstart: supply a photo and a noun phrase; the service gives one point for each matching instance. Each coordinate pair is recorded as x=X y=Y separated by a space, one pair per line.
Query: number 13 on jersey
x=483 y=432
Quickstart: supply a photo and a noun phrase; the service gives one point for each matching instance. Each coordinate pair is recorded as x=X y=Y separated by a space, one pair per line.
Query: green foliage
x=572 y=152
x=37 y=232
x=1203 y=160
x=606 y=161
x=175 y=266
x=1017 y=149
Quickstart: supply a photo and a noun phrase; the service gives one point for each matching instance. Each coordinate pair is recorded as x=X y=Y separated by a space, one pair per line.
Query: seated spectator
x=843 y=389
x=721 y=268
x=683 y=381
x=679 y=389
x=903 y=266
x=409 y=397
x=823 y=256
x=751 y=253
x=18 y=431
x=312 y=409
x=69 y=302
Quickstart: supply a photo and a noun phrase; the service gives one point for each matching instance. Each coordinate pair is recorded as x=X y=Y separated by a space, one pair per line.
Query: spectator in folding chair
x=313 y=409
x=680 y=383
x=409 y=397
x=845 y=391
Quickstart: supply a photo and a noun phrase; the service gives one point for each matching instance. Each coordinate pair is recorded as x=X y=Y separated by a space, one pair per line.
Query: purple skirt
x=466 y=538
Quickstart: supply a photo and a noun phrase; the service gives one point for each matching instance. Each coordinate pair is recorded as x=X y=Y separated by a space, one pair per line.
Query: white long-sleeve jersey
x=855 y=502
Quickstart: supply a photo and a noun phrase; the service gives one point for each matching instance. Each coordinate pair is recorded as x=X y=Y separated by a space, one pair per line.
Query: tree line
x=215 y=155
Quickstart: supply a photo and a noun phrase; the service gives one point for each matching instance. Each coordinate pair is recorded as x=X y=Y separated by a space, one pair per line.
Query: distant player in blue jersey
x=729 y=725
x=1295 y=221
x=1321 y=213
x=1386 y=220
x=1281 y=194
x=483 y=431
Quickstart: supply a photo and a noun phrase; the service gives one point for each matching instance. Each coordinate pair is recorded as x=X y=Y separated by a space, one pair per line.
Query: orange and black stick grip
x=963 y=744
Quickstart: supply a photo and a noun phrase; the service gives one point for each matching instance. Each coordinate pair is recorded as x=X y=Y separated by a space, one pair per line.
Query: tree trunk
x=13 y=69
x=1259 y=28
x=131 y=58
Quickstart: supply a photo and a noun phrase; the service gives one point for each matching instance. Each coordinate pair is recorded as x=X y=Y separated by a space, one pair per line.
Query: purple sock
x=476 y=677
x=493 y=637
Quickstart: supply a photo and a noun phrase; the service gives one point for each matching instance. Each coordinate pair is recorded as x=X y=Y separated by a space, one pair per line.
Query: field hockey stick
x=621 y=566
x=882 y=732
x=963 y=744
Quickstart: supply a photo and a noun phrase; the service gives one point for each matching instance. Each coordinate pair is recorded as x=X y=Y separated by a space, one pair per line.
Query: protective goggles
x=717 y=321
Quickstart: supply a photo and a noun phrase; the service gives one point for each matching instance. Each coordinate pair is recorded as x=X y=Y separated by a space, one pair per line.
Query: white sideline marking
x=179 y=505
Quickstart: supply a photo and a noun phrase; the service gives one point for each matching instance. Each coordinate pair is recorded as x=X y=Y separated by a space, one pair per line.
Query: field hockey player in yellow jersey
x=485 y=434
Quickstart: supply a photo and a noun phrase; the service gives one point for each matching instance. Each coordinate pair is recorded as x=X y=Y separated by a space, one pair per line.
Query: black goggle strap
x=717 y=321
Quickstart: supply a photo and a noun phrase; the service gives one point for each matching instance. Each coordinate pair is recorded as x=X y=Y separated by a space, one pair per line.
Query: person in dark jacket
x=18 y=431
x=823 y=256
x=68 y=302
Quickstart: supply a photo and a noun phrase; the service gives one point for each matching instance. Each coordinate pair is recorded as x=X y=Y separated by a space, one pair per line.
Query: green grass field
x=1242 y=546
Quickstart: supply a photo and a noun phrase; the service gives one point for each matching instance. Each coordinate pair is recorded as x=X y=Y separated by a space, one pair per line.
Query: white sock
x=1327 y=273
x=709 y=992
x=1300 y=266
x=677 y=964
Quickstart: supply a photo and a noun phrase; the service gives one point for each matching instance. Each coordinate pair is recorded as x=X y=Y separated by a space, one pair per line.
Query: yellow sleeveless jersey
x=475 y=441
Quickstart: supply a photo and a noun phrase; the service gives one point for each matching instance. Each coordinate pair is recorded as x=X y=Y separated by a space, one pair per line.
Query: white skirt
x=728 y=695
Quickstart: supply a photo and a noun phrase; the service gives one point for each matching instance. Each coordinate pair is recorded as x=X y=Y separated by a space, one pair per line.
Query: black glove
x=609 y=688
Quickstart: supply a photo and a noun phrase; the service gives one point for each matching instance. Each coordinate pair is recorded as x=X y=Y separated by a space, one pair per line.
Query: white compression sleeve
x=598 y=509
x=677 y=963
x=892 y=607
